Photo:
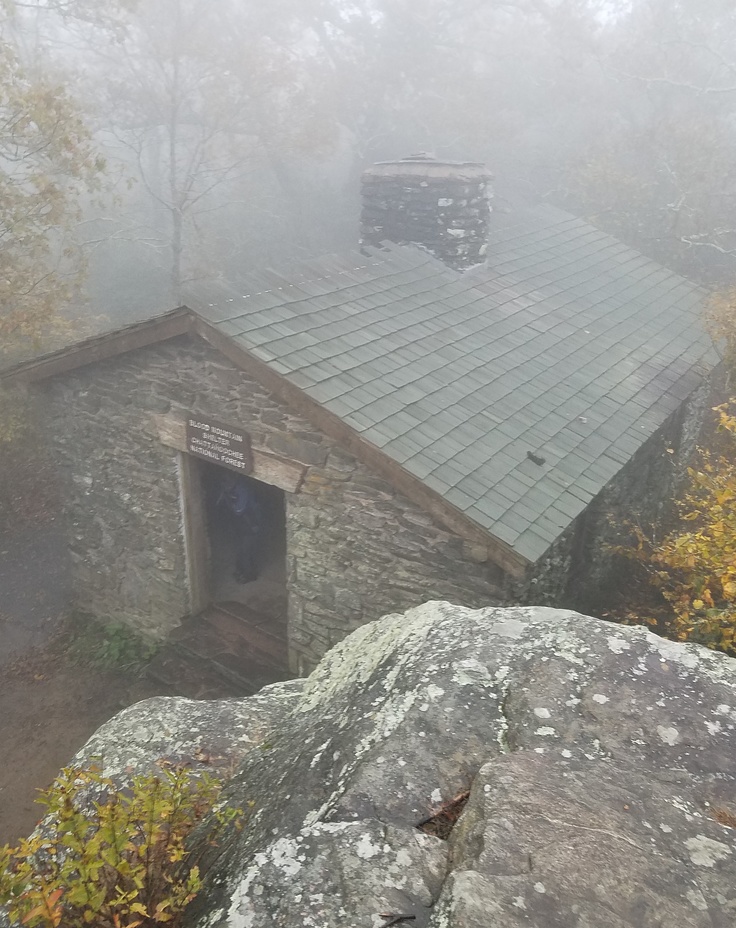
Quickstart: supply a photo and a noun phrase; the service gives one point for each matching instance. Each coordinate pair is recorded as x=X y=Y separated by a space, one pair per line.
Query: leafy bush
x=110 y=858
x=695 y=569
x=108 y=645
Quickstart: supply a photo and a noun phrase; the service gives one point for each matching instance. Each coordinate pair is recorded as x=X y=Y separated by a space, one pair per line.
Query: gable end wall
x=357 y=549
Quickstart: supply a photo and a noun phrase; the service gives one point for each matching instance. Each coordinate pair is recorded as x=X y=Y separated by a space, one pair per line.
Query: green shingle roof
x=568 y=345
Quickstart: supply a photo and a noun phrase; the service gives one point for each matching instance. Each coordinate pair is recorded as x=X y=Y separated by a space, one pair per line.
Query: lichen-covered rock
x=587 y=842
x=598 y=759
x=214 y=734
x=594 y=754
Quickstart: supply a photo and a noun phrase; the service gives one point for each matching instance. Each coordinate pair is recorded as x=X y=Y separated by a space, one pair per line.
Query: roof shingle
x=567 y=344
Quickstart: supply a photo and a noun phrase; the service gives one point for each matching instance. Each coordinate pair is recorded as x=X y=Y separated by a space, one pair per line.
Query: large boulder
x=598 y=761
x=212 y=735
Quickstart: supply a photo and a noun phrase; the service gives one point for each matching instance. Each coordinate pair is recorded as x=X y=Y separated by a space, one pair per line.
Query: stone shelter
x=414 y=424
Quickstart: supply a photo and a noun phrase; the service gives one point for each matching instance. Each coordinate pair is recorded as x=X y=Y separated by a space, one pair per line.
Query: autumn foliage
x=110 y=858
x=694 y=566
x=48 y=163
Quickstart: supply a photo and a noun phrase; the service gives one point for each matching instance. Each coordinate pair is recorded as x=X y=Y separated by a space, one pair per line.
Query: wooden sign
x=226 y=445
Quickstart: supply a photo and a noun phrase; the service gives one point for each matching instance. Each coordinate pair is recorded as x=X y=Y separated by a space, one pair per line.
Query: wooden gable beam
x=101 y=347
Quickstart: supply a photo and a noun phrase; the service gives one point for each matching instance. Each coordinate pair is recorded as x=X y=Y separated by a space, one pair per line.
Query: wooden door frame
x=196 y=538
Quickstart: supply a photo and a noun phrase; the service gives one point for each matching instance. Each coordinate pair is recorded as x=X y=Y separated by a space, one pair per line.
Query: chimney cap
x=425 y=164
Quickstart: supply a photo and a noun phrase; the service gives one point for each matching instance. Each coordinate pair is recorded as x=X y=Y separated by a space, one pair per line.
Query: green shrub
x=108 y=645
x=110 y=858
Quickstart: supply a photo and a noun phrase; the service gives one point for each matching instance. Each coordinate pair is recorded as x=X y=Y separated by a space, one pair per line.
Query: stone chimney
x=443 y=206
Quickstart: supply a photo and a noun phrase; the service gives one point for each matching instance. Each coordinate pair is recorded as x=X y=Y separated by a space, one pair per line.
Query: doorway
x=246 y=530
x=237 y=628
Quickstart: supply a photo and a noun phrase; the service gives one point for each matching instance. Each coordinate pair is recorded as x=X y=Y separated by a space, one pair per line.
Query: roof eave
x=101 y=347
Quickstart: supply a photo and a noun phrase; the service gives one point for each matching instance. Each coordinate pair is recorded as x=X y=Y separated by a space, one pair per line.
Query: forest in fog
x=166 y=141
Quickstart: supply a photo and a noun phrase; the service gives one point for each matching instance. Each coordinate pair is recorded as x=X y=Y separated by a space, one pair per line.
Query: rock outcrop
x=597 y=759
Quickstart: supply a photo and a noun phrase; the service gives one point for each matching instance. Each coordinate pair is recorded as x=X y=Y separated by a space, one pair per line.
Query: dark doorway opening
x=246 y=529
x=238 y=568
x=235 y=639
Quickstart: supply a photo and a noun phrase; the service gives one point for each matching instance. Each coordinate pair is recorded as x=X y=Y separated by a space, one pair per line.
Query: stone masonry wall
x=120 y=491
x=356 y=548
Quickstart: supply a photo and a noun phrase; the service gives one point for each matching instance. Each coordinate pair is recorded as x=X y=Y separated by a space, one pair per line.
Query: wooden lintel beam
x=273 y=469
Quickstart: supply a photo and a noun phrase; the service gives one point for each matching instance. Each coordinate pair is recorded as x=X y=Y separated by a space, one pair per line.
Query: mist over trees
x=47 y=163
x=233 y=133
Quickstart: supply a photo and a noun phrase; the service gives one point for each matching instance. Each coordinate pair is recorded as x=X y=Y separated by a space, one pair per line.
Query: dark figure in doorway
x=241 y=501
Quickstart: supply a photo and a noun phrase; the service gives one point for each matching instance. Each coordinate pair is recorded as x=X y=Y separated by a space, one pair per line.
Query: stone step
x=246 y=615
x=194 y=668
x=271 y=615
x=233 y=657
x=187 y=676
x=220 y=638
x=263 y=639
x=230 y=649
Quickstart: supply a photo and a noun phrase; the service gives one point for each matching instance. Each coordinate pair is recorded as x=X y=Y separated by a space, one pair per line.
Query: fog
x=231 y=135
x=152 y=146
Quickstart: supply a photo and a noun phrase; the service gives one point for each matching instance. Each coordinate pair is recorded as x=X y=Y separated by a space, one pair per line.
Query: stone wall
x=120 y=491
x=357 y=549
x=547 y=582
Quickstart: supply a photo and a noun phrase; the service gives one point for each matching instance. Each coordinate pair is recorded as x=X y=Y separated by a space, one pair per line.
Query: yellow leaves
x=47 y=163
x=694 y=566
x=48 y=909
x=119 y=860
